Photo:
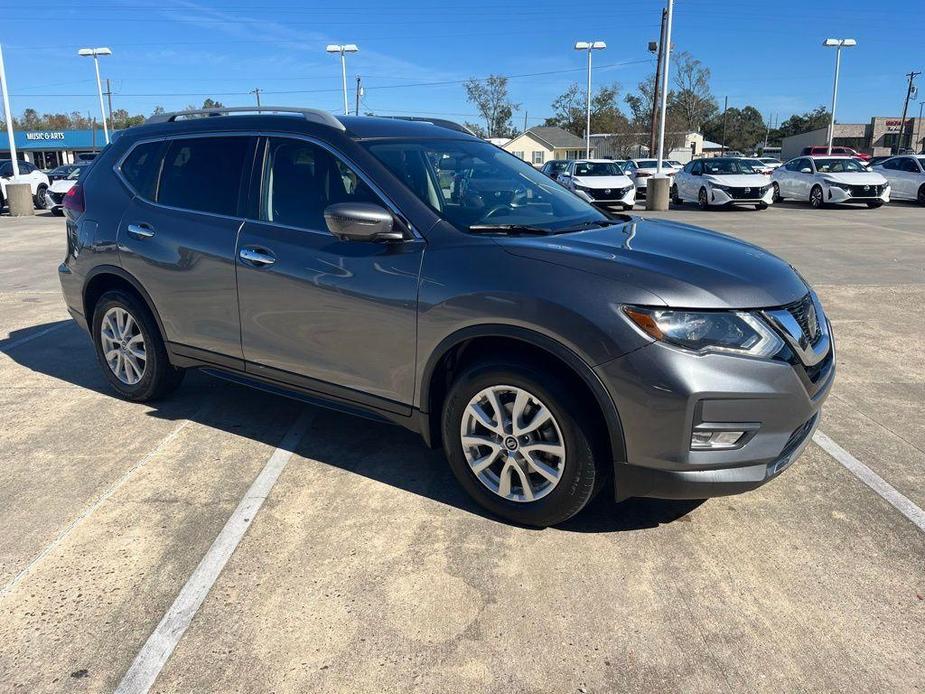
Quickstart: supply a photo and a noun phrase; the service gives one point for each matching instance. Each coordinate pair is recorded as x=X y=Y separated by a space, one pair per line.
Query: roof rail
x=310 y=114
x=439 y=122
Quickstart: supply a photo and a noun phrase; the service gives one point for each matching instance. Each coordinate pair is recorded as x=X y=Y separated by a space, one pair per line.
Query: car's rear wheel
x=520 y=442
x=130 y=349
x=40 y=197
x=921 y=195
x=816 y=198
x=702 y=201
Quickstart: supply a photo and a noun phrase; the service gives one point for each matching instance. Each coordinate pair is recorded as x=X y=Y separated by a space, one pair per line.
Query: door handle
x=258 y=258
x=140 y=231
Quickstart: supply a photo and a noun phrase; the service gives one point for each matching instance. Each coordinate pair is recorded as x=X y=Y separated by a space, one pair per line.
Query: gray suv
x=407 y=271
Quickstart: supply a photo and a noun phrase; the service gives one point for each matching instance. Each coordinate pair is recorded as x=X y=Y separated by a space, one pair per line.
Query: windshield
x=770 y=160
x=471 y=183
x=838 y=165
x=558 y=166
x=597 y=168
x=727 y=167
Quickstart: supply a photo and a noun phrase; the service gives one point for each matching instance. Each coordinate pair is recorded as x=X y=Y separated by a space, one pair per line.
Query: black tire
x=675 y=198
x=702 y=200
x=581 y=476
x=921 y=195
x=874 y=204
x=57 y=211
x=39 y=198
x=761 y=206
x=159 y=377
x=776 y=196
x=817 y=198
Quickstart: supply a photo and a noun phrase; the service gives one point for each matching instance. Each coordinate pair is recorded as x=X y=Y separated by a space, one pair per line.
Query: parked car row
x=37 y=181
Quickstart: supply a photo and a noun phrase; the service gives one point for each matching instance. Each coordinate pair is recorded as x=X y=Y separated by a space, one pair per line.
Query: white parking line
x=13 y=344
x=160 y=644
x=872 y=480
x=100 y=500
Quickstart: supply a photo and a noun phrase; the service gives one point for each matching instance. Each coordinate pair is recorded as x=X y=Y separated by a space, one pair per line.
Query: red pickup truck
x=822 y=150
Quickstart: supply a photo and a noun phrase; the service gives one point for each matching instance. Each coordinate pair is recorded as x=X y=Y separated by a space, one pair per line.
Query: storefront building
x=876 y=138
x=50 y=148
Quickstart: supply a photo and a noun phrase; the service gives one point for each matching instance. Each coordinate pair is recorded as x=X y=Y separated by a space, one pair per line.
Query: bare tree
x=693 y=99
x=570 y=110
x=491 y=99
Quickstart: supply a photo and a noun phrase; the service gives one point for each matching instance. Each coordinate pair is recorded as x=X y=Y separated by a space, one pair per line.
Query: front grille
x=865 y=191
x=603 y=194
x=751 y=193
x=800 y=312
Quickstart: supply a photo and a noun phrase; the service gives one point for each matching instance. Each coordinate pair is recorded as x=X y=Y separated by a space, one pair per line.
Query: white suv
x=27 y=174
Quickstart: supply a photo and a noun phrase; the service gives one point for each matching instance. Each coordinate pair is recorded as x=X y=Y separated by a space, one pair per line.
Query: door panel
x=342 y=312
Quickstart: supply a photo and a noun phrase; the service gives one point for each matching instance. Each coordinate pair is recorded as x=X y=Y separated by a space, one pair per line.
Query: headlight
x=581 y=187
x=717 y=186
x=836 y=184
x=736 y=332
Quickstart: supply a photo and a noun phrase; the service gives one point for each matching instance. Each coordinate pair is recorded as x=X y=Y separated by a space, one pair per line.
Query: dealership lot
x=368 y=569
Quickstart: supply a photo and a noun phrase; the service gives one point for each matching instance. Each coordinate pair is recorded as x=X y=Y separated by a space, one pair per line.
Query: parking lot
x=368 y=569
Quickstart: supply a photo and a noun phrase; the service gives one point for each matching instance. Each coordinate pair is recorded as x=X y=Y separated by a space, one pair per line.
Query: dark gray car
x=411 y=272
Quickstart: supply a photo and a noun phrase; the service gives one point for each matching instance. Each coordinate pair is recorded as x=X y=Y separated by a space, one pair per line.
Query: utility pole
x=356 y=111
x=902 y=121
x=767 y=134
x=723 y=143
x=112 y=125
x=256 y=91
x=918 y=127
x=525 y=120
x=655 y=90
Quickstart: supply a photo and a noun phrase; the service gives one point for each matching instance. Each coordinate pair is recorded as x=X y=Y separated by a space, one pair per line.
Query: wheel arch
x=462 y=347
x=106 y=277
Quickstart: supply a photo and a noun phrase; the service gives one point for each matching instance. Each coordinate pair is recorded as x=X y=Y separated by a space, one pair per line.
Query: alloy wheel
x=123 y=345
x=512 y=443
x=815 y=197
x=702 y=199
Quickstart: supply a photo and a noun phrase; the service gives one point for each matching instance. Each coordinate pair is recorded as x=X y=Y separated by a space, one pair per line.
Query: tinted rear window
x=203 y=174
x=141 y=167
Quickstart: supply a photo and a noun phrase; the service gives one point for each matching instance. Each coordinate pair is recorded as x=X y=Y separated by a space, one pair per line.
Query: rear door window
x=141 y=168
x=204 y=174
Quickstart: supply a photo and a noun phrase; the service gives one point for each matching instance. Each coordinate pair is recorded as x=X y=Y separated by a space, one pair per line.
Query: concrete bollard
x=19 y=199
x=657 y=193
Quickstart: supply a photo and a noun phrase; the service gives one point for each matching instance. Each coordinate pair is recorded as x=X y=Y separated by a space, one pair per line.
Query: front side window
x=203 y=174
x=838 y=165
x=300 y=179
x=471 y=183
x=141 y=168
x=697 y=168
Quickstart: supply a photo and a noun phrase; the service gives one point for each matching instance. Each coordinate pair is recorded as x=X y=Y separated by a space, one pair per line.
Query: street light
x=589 y=46
x=343 y=49
x=837 y=44
x=96 y=53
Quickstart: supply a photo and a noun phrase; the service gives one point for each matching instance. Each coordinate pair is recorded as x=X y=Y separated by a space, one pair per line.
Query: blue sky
x=414 y=53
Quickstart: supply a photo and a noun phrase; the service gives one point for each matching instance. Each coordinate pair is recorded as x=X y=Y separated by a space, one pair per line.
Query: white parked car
x=721 y=181
x=906 y=176
x=641 y=170
x=771 y=162
x=54 y=196
x=600 y=182
x=27 y=174
x=822 y=180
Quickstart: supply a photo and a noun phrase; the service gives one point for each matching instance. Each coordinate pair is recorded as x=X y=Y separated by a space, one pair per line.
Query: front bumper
x=837 y=195
x=599 y=198
x=662 y=393
x=721 y=197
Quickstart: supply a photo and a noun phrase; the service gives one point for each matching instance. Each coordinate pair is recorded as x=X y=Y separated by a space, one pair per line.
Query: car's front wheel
x=874 y=204
x=130 y=350
x=675 y=197
x=921 y=195
x=39 y=199
x=816 y=198
x=761 y=206
x=702 y=201
x=776 y=196
x=520 y=442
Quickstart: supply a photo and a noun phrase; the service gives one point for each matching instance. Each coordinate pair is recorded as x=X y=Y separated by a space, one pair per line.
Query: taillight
x=74 y=200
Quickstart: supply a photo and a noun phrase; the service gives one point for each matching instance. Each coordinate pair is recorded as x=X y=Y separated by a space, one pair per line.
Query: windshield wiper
x=508 y=229
x=588 y=225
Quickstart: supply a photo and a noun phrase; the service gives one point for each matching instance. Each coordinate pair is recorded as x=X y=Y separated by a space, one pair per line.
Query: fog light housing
x=703 y=439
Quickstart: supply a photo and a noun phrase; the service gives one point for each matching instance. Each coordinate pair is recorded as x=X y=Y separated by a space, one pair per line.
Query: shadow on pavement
x=376 y=450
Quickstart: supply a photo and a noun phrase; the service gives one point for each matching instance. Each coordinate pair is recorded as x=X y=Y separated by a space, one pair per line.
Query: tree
x=800 y=123
x=641 y=103
x=745 y=128
x=491 y=99
x=693 y=100
x=121 y=119
x=570 y=110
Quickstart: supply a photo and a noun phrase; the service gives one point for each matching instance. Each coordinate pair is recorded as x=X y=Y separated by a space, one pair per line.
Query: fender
x=548 y=345
x=122 y=274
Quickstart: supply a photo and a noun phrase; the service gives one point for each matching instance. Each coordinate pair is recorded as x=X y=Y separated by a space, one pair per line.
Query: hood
x=855 y=178
x=598 y=182
x=740 y=180
x=684 y=265
x=61 y=186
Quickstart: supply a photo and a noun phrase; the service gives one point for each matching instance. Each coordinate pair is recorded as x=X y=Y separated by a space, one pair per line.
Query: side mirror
x=806 y=170
x=361 y=221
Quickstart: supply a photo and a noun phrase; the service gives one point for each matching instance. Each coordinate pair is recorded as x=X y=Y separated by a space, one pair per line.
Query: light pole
x=8 y=117
x=96 y=53
x=837 y=44
x=918 y=127
x=589 y=46
x=666 y=59
x=343 y=49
